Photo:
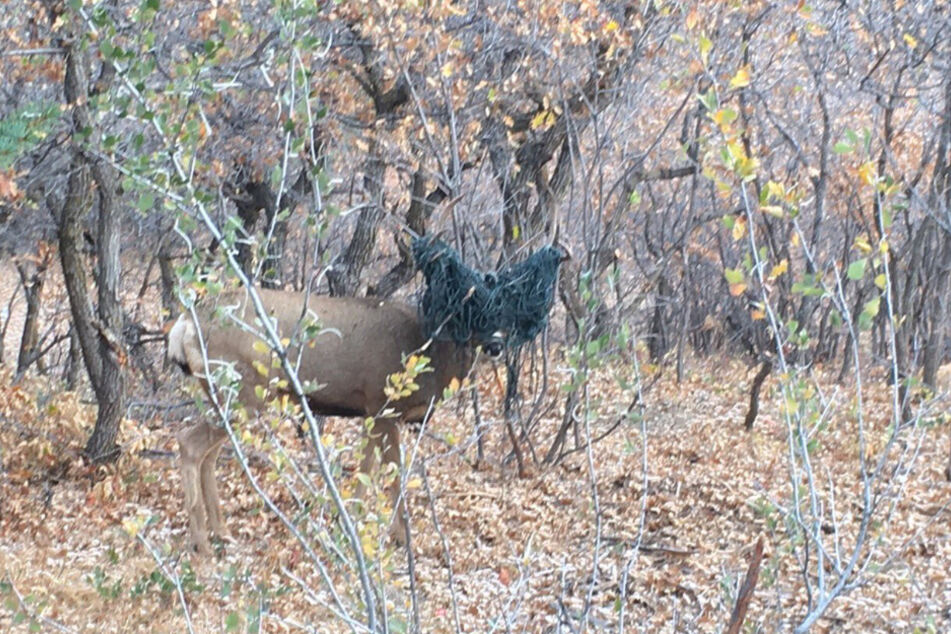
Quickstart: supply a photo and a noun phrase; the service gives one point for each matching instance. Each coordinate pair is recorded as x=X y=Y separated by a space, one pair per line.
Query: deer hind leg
x=192 y=441
x=209 y=486
x=947 y=471
x=383 y=443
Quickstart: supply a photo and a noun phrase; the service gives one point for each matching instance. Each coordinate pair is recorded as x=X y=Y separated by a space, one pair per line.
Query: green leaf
x=733 y=276
x=705 y=46
x=709 y=100
x=842 y=148
x=232 y=621
x=857 y=269
x=146 y=202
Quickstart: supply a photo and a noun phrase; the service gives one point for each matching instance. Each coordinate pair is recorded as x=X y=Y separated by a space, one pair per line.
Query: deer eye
x=494 y=348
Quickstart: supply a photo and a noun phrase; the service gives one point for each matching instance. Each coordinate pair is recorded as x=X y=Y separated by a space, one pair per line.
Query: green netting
x=461 y=304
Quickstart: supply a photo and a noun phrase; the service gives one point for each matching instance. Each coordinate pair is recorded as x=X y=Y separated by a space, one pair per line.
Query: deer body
x=362 y=342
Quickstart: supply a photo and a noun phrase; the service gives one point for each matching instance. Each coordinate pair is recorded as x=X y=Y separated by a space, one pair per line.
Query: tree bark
x=420 y=209
x=110 y=390
x=344 y=277
x=746 y=590
x=97 y=334
x=32 y=278
x=167 y=276
x=753 y=411
x=73 y=361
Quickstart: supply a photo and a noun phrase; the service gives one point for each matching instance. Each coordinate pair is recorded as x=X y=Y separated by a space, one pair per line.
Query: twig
x=746 y=590
x=171 y=576
x=445 y=547
x=751 y=414
x=32 y=614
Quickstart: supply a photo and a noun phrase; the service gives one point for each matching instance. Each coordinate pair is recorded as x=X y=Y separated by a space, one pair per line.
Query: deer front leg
x=947 y=471
x=384 y=441
x=209 y=486
x=193 y=450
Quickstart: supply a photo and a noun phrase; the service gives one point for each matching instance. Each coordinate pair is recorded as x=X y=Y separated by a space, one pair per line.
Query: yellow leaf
x=861 y=243
x=883 y=246
x=414 y=483
x=741 y=79
x=867 y=173
x=454 y=385
x=910 y=40
x=880 y=281
x=757 y=313
x=447 y=69
x=132 y=527
x=369 y=546
x=705 y=46
x=773 y=210
x=779 y=269
x=739 y=229
x=746 y=168
x=610 y=26
x=724 y=117
x=774 y=189
x=544 y=119
x=737 y=289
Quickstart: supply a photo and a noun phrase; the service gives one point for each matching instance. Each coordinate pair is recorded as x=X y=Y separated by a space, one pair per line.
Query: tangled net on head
x=461 y=304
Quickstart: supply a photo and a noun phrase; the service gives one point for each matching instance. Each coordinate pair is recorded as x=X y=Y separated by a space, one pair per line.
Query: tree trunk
x=344 y=277
x=421 y=207
x=32 y=278
x=110 y=390
x=73 y=361
x=167 y=276
x=98 y=338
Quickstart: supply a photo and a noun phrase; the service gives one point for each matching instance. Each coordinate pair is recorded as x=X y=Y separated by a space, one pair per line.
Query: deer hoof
x=398 y=534
x=202 y=548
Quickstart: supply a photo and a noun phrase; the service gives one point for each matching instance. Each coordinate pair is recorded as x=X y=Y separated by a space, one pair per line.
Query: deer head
x=361 y=342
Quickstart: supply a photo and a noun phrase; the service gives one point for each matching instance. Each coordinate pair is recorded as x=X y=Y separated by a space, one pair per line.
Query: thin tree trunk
x=98 y=335
x=73 y=361
x=110 y=391
x=746 y=590
x=344 y=277
x=167 y=276
x=32 y=278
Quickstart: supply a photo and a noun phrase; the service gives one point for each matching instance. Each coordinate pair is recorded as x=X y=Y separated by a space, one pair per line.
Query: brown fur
x=943 y=388
x=364 y=341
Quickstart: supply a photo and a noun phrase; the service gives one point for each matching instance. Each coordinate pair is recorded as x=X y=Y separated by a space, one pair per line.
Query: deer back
x=360 y=342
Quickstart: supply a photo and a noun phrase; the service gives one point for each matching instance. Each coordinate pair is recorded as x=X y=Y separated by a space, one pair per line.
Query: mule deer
x=363 y=342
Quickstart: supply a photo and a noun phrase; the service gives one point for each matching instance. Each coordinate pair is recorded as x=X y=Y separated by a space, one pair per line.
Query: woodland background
x=743 y=379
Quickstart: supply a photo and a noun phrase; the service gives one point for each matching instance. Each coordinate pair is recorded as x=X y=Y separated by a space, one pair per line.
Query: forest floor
x=525 y=552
